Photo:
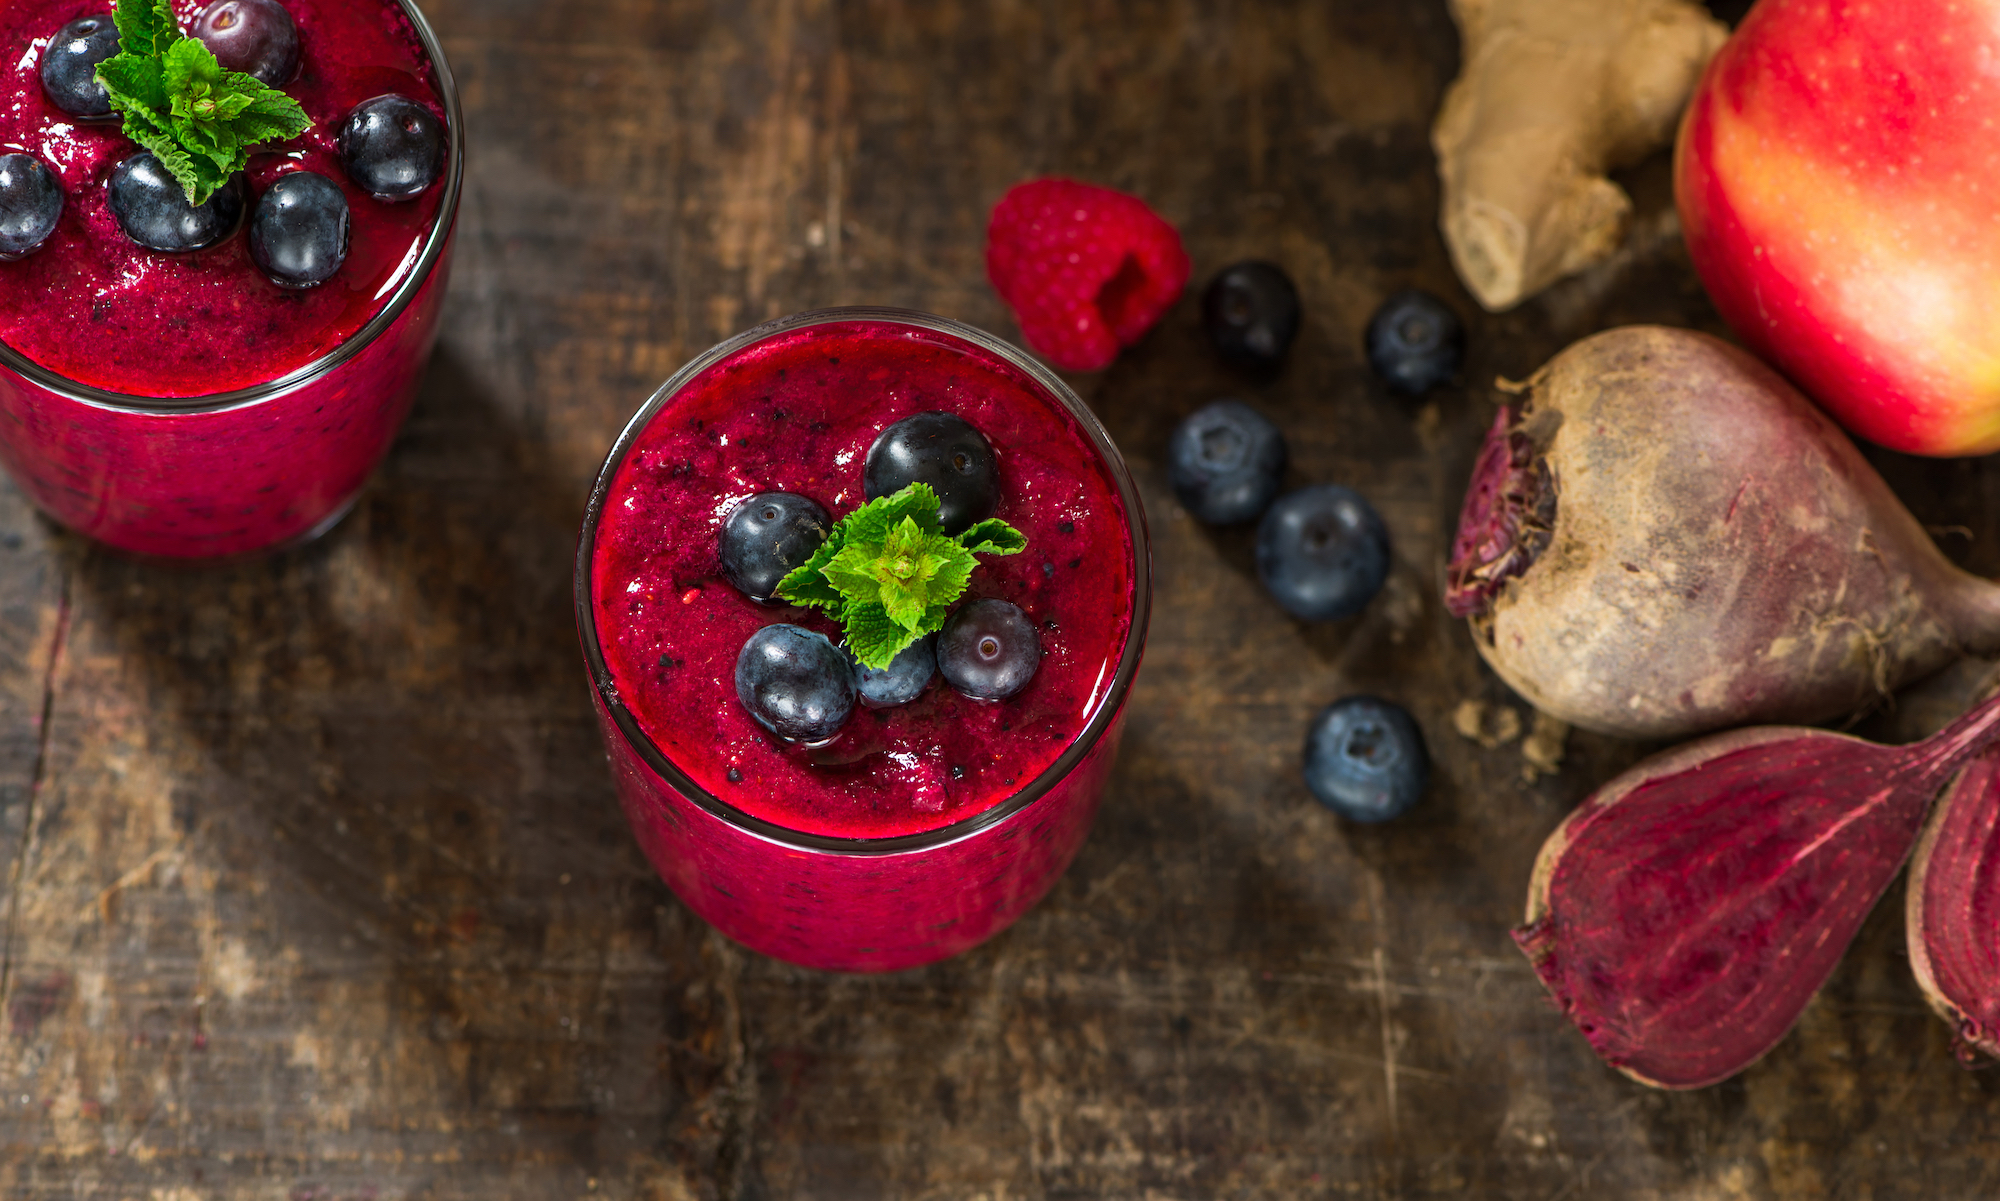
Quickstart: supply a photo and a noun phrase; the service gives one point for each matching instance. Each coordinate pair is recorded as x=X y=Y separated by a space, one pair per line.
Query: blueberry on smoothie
x=152 y=208
x=69 y=66
x=1251 y=312
x=1415 y=342
x=795 y=683
x=765 y=538
x=256 y=37
x=31 y=202
x=298 y=235
x=1322 y=552
x=392 y=147
x=1365 y=759
x=942 y=450
x=1225 y=463
x=989 y=650
x=904 y=680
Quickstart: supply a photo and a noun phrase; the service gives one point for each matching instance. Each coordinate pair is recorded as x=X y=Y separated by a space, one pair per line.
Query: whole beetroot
x=1665 y=538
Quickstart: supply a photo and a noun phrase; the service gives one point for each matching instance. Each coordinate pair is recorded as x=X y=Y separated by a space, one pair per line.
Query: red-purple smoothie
x=183 y=404
x=796 y=411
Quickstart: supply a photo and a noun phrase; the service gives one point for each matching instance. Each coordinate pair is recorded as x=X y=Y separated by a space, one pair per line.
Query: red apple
x=1838 y=175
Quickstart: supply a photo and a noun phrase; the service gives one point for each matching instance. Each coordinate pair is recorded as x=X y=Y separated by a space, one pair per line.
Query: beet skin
x=1666 y=538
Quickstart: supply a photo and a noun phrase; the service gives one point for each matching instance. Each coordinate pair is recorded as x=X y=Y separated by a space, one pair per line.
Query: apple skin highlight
x=1838 y=191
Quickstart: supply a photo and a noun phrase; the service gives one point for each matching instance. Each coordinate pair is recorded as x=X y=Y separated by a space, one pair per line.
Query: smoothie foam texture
x=1087 y=270
x=97 y=309
x=796 y=413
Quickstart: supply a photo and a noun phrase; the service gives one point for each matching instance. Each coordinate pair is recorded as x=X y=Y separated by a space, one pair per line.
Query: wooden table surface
x=315 y=887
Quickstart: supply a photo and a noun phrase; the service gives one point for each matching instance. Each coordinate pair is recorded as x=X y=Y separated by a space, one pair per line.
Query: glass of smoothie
x=201 y=402
x=920 y=829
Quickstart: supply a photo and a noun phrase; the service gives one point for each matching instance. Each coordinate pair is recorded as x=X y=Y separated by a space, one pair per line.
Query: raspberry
x=1085 y=269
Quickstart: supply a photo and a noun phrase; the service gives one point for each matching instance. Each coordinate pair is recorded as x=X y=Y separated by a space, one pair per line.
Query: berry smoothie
x=918 y=829
x=189 y=403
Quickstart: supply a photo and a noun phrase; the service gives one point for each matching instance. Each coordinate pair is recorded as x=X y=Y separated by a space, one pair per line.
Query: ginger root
x=1552 y=95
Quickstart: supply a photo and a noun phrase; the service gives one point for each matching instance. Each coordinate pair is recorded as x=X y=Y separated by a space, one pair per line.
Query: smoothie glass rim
x=406 y=290
x=1108 y=706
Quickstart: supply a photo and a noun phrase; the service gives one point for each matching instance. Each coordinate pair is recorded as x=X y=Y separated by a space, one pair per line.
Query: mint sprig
x=179 y=102
x=889 y=573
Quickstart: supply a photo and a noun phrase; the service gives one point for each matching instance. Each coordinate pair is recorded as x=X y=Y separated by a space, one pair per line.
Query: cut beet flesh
x=1953 y=908
x=1685 y=914
x=1506 y=522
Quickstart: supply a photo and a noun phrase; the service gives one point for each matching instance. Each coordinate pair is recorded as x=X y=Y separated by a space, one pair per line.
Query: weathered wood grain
x=315 y=887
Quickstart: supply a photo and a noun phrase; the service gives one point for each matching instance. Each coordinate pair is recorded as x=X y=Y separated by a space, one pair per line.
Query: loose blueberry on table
x=989 y=650
x=69 y=66
x=152 y=207
x=392 y=147
x=256 y=37
x=1322 y=552
x=767 y=537
x=1251 y=312
x=1365 y=759
x=1226 y=462
x=31 y=202
x=298 y=235
x=795 y=683
x=942 y=450
x=1415 y=342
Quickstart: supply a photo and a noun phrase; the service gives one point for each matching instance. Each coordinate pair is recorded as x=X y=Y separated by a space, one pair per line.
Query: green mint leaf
x=889 y=573
x=133 y=82
x=954 y=572
x=902 y=572
x=178 y=101
x=849 y=575
x=271 y=116
x=875 y=638
x=145 y=30
x=872 y=522
x=993 y=537
x=159 y=139
x=806 y=585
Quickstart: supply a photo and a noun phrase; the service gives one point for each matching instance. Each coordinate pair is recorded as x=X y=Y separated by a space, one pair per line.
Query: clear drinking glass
x=865 y=904
x=243 y=471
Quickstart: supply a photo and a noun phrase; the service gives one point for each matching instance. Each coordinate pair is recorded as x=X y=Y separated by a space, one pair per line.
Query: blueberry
x=1226 y=462
x=1251 y=312
x=904 y=680
x=765 y=537
x=392 y=147
x=256 y=37
x=1415 y=342
x=1322 y=552
x=942 y=450
x=69 y=66
x=1365 y=759
x=795 y=683
x=989 y=650
x=298 y=235
x=152 y=208
x=31 y=202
